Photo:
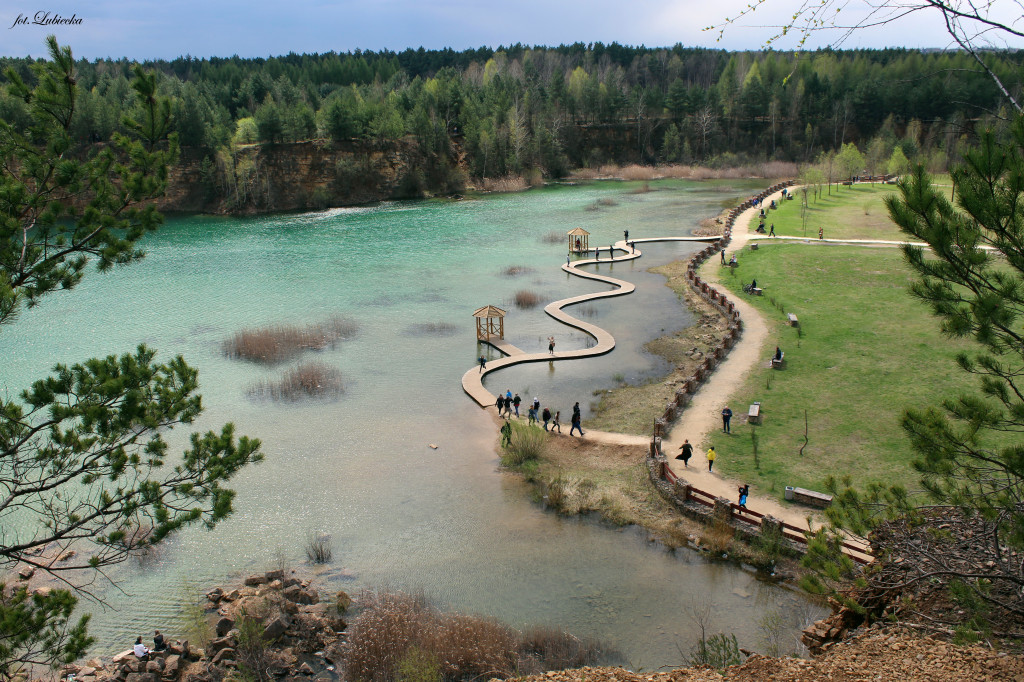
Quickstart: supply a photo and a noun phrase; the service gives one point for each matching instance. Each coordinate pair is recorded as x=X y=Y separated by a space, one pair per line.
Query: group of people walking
x=507 y=403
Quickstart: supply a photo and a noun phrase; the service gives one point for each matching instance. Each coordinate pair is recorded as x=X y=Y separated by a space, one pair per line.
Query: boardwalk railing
x=749 y=522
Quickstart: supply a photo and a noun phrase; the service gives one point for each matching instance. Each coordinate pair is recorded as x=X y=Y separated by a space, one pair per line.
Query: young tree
x=83 y=462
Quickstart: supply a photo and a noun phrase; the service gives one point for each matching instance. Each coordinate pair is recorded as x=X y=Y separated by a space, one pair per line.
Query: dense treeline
x=523 y=110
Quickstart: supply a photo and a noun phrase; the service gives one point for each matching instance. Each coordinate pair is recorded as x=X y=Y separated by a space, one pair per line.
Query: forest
x=540 y=112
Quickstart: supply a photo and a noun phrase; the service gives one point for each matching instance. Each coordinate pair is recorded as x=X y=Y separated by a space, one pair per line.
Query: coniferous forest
x=541 y=112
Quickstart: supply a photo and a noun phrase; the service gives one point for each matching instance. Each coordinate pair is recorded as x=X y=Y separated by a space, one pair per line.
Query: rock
x=86 y=670
x=178 y=649
x=226 y=642
x=67 y=556
x=275 y=584
x=271 y=576
x=215 y=594
x=122 y=657
x=334 y=653
x=254 y=580
x=172 y=666
x=275 y=629
x=224 y=626
x=292 y=593
x=26 y=572
x=42 y=591
x=141 y=677
x=342 y=601
x=305 y=669
x=223 y=656
x=233 y=595
x=288 y=582
x=155 y=666
x=315 y=609
x=95 y=663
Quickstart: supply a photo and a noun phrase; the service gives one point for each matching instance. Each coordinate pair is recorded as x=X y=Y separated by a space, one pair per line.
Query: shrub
x=525 y=444
x=274 y=344
x=546 y=648
x=318 y=548
x=718 y=651
x=516 y=270
x=718 y=536
x=526 y=299
x=308 y=380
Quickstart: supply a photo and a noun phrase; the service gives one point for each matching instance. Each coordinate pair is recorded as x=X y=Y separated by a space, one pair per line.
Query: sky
x=164 y=29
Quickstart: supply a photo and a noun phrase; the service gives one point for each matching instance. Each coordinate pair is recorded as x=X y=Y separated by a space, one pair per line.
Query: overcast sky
x=146 y=29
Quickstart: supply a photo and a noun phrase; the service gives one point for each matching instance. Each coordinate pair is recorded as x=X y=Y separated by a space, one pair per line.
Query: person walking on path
x=726 y=416
x=771 y=232
x=576 y=409
x=508 y=406
x=686 y=454
x=483 y=364
x=744 y=491
x=723 y=256
x=567 y=262
x=546 y=416
x=711 y=457
x=821 y=233
x=531 y=416
x=500 y=404
x=536 y=405
x=515 y=403
x=506 y=433
x=551 y=345
x=556 y=424
x=576 y=423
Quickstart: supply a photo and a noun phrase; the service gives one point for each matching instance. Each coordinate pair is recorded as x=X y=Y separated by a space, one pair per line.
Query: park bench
x=808 y=497
x=793 y=322
x=777 y=362
x=754 y=415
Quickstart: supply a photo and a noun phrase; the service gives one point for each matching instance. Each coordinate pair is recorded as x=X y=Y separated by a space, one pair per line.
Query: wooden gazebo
x=490 y=321
x=579 y=240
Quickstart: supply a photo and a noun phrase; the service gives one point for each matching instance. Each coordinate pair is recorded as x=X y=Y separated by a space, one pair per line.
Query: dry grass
x=642 y=189
x=718 y=537
x=401 y=636
x=433 y=329
x=768 y=169
x=307 y=380
x=509 y=183
x=554 y=238
x=517 y=270
x=270 y=345
x=525 y=298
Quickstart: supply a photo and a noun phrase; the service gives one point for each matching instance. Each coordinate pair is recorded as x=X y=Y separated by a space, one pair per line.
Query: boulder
x=179 y=649
x=141 y=677
x=26 y=572
x=233 y=595
x=271 y=576
x=215 y=594
x=86 y=670
x=306 y=669
x=172 y=666
x=95 y=663
x=342 y=601
x=275 y=584
x=288 y=582
x=223 y=656
x=292 y=593
x=275 y=629
x=122 y=657
x=334 y=653
x=224 y=626
x=226 y=642
x=155 y=666
x=254 y=580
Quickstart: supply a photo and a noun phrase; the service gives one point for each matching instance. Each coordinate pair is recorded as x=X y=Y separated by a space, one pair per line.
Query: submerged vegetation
x=277 y=343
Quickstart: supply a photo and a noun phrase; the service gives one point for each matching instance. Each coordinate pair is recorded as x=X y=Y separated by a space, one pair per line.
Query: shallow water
x=400 y=514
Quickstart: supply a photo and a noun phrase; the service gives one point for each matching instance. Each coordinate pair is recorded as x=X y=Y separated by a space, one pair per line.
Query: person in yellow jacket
x=711 y=457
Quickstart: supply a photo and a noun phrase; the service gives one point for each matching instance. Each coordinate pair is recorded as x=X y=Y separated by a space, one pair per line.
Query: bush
x=318 y=548
x=274 y=344
x=526 y=443
x=718 y=651
x=526 y=299
x=546 y=648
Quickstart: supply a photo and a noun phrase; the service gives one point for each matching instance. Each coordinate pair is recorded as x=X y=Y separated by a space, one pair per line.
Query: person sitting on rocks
x=158 y=642
x=140 y=649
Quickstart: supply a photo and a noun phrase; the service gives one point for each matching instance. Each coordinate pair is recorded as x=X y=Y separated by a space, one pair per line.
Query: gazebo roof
x=489 y=311
x=578 y=232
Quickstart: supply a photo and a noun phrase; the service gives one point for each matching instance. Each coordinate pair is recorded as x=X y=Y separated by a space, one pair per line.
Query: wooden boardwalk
x=472 y=380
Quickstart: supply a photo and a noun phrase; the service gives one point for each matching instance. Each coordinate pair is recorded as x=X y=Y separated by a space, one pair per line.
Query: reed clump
x=307 y=380
x=402 y=636
x=517 y=270
x=277 y=343
x=553 y=237
x=525 y=298
x=509 y=183
x=526 y=443
x=433 y=329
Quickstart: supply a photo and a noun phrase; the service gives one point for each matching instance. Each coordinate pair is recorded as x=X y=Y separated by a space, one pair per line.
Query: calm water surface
x=400 y=514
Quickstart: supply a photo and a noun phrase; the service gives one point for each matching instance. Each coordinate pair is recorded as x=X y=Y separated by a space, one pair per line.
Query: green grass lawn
x=855 y=212
x=865 y=350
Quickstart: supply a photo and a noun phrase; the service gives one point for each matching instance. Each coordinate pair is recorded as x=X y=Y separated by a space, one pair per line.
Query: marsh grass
x=319 y=549
x=526 y=443
x=433 y=329
x=307 y=380
x=516 y=270
x=277 y=343
x=554 y=237
x=718 y=537
x=525 y=298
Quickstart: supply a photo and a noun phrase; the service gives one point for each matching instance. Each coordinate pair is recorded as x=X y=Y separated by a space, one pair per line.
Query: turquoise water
x=400 y=514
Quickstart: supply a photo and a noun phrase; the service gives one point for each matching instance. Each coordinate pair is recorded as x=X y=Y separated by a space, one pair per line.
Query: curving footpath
x=472 y=380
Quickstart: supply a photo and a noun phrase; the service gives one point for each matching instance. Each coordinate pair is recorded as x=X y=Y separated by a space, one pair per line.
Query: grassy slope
x=849 y=212
x=866 y=351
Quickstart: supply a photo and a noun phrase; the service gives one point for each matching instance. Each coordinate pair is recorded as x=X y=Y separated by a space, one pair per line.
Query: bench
x=777 y=362
x=808 y=497
x=753 y=247
x=793 y=322
x=754 y=415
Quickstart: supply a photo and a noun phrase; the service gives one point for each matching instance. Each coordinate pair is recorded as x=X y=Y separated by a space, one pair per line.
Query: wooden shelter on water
x=579 y=240
x=490 y=322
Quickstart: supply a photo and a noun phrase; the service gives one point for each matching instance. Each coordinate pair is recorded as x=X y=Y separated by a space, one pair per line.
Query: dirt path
x=701 y=421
